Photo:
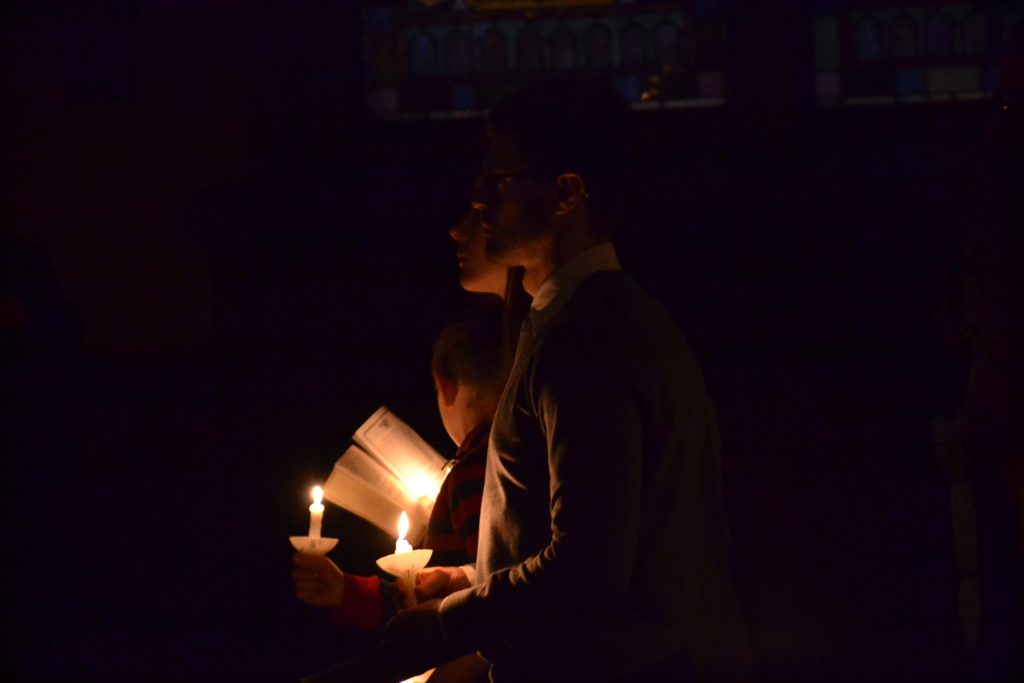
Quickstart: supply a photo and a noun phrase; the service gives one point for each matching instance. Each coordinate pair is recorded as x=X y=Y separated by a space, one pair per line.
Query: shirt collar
x=560 y=285
x=474 y=437
x=472 y=442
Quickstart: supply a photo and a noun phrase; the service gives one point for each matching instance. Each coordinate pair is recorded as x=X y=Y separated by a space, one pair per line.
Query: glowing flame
x=318 y=495
x=403 y=526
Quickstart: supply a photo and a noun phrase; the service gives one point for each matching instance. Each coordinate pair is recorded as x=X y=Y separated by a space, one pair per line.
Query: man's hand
x=438 y=582
x=318 y=581
x=414 y=635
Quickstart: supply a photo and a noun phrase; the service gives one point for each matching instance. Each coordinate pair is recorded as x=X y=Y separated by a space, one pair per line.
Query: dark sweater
x=603 y=540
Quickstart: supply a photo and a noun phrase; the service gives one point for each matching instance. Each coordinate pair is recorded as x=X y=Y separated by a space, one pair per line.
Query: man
x=602 y=553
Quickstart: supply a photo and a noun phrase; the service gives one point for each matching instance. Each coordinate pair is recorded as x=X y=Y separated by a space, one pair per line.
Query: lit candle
x=405 y=562
x=402 y=545
x=316 y=512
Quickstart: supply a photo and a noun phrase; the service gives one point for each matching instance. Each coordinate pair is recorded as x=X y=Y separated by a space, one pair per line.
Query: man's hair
x=470 y=349
x=571 y=126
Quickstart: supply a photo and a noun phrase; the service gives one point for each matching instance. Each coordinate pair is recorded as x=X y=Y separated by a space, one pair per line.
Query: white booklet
x=389 y=469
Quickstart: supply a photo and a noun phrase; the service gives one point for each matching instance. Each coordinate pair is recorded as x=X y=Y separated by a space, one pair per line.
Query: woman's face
x=477 y=273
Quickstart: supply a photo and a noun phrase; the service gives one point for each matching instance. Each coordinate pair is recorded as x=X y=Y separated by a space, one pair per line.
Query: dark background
x=215 y=268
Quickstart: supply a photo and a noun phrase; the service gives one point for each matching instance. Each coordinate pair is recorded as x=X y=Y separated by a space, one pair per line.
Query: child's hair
x=470 y=349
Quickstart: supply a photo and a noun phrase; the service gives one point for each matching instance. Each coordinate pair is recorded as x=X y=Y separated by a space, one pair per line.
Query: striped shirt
x=455 y=520
x=452 y=530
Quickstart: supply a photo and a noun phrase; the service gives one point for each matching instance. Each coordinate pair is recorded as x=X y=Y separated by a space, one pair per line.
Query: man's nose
x=464 y=227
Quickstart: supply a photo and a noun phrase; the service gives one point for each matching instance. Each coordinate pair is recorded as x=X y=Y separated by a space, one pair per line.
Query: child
x=469 y=374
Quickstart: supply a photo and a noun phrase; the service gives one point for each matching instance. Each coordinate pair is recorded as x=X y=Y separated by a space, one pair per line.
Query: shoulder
x=612 y=331
x=614 y=303
x=608 y=314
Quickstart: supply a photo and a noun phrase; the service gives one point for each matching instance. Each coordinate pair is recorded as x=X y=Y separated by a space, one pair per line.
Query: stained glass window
x=867 y=40
x=634 y=45
x=424 y=56
x=940 y=36
x=668 y=44
x=975 y=35
x=891 y=51
x=563 y=48
x=459 y=53
x=493 y=52
x=598 y=46
x=455 y=58
x=530 y=49
x=903 y=40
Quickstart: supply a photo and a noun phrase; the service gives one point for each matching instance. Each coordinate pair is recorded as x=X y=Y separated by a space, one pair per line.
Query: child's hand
x=437 y=582
x=318 y=581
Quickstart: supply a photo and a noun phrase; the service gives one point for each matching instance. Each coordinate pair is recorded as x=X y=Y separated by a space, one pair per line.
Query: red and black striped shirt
x=452 y=531
x=455 y=520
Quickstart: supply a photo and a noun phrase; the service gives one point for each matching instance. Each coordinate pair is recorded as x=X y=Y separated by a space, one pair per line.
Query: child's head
x=469 y=368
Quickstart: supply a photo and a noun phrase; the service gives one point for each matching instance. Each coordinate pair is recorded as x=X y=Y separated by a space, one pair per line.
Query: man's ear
x=447 y=387
x=571 y=191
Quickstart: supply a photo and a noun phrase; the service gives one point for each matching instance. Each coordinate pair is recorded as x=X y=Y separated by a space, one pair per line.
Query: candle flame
x=318 y=495
x=403 y=526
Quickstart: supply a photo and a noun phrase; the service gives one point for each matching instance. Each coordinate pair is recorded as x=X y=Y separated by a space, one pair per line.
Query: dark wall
x=216 y=268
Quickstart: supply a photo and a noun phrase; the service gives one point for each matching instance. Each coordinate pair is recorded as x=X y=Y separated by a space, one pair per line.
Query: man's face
x=514 y=205
x=477 y=273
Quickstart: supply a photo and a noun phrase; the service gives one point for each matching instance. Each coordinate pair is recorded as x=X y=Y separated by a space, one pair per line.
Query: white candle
x=405 y=562
x=402 y=545
x=316 y=512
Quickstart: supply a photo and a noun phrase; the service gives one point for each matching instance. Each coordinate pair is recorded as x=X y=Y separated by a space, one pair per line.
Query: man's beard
x=502 y=242
x=498 y=247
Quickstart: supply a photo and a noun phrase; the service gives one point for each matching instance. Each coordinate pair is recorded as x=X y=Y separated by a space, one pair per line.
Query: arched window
x=563 y=48
x=598 y=46
x=940 y=36
x=1013 y=33
x=976 y=35
x=668 y=44
x=422 y=56
x=383 y=65
x=459 y=50
x=867 y=40
x=493 y=52
x=903 y=38
x=634 y=45
x=530 y=49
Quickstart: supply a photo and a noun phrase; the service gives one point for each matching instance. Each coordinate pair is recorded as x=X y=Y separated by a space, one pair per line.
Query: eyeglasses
x=501 y=175
x=491 y=182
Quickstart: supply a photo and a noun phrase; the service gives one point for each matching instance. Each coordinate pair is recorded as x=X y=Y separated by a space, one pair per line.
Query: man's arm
x=438 y=582
x=591 y=418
